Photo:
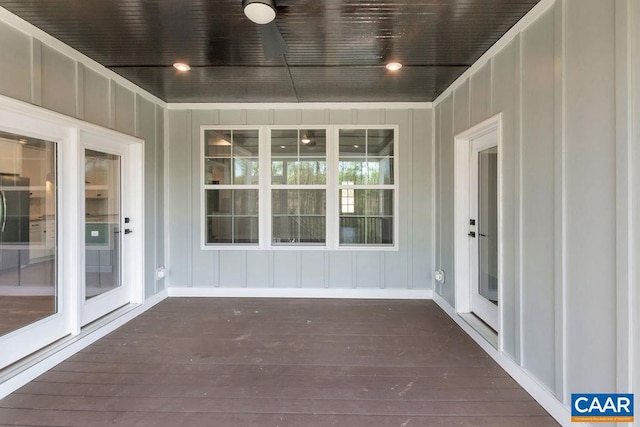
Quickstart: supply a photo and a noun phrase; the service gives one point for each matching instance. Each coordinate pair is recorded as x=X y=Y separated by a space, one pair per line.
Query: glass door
x=31 y=305
x=483 y=189
x=104 y=289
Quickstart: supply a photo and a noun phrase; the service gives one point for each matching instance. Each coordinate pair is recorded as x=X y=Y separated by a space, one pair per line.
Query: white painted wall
x=566 y=83
x=410 y=268
x=40 y=70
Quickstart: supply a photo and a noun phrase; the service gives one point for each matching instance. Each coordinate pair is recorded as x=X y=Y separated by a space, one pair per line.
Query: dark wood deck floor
x=286 y=362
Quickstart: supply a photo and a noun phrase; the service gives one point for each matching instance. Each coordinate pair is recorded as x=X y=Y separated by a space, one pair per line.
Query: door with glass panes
x=110 y=228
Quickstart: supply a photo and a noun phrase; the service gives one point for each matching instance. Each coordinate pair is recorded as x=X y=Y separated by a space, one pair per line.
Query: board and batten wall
x=406 y=272
x=566 y=84
x=40 y=70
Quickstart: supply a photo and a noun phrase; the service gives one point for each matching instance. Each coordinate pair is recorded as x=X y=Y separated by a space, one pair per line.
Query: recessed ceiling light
x=356 y=146
x=283 y=146
x=305 y=140
x=180 y=66
x=393 y=66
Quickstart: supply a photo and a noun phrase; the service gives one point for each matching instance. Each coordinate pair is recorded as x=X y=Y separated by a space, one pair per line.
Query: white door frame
x=132 y=205
x=462 y=267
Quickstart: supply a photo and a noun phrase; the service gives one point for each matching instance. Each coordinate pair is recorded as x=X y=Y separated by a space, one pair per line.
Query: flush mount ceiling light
x=180 y=66
x=259 y=11
x=393 y=66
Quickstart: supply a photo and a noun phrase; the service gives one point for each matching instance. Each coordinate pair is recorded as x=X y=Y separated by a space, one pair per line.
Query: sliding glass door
x=71 y=227
x=32 y=312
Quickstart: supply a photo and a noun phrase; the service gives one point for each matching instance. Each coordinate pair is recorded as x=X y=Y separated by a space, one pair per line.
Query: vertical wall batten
x=35 y=72
x=623 y=195
x=447 y=198
x=559 y=247
x=80 y=92
x=517 y=205
x=161 y=208
x=437 y=142
x=634 y=192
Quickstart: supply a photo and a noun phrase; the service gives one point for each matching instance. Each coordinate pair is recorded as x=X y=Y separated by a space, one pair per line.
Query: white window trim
x=204 y=187
x=269 y=186
x=395 y=187
x=332 y=188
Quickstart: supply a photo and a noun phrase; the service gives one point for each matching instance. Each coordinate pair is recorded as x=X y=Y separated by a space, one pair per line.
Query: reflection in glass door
x=488 y=224
x=103 y=255
x=483 y=223
x=29 y=292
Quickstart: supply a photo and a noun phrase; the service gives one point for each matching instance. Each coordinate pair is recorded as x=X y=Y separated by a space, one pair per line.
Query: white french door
x=112 y=218
x=66 y=191
x=483 y=229
x=477 y=224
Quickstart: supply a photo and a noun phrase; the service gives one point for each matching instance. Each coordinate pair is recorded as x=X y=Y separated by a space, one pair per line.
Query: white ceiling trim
x=301 y=106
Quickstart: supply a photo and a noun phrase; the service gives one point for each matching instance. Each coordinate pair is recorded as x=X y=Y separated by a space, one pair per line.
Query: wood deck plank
x=279 y=362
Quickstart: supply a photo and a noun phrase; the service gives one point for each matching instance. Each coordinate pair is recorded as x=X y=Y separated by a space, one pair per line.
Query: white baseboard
x=560 y=412
x=301 y=293
x=52 y=356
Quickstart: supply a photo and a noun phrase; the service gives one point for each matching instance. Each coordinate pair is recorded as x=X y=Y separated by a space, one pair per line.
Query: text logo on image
x=602 y=408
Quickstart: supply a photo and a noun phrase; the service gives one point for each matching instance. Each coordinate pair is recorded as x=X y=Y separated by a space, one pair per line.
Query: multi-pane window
x=231 y=179
x=366 y=186
x=298 y=186
x=332 y=187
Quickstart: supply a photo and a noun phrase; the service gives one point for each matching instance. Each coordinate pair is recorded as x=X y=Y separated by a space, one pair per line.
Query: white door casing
x=131 y=201
x=465 y=262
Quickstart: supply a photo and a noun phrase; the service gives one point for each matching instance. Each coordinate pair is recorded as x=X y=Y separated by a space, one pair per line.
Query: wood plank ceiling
x=337 y=48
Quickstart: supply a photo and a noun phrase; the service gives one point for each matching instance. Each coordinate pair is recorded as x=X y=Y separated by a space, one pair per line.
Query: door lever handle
x=472 y=234
x=483 y=235
x=128 y=231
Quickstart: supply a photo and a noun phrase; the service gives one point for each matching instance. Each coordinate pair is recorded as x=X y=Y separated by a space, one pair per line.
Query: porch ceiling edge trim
x=513 y=32
x=300 y=106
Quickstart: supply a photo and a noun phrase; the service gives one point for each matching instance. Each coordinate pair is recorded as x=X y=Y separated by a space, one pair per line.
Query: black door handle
x=127 y=231
x=472 y=234
x=483 y=235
